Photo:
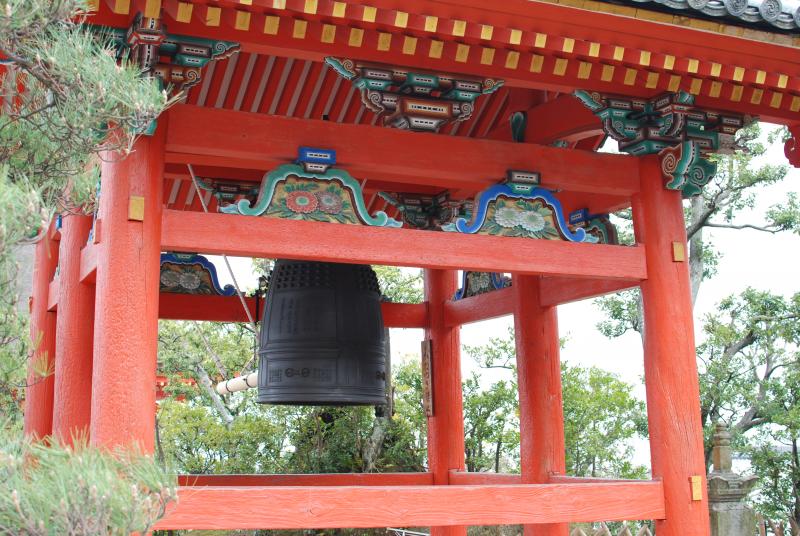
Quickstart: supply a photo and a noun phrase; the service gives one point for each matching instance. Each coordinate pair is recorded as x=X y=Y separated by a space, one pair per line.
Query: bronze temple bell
x=322 y=337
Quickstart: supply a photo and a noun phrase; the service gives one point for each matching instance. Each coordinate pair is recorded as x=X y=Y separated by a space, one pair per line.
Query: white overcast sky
x=750 y=258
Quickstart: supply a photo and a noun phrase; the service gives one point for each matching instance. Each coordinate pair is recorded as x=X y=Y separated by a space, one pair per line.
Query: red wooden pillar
x=126 y=306
x=446 y=426
x=541 y=413
x=38 y=420
x=673 y=400
x=74 y=329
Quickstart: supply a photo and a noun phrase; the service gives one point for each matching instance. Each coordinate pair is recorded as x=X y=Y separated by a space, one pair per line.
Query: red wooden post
x=541 y=414
x=673 y=402
x=127 y=286
x=446 y=426
x=38 y=421
x=74 y=330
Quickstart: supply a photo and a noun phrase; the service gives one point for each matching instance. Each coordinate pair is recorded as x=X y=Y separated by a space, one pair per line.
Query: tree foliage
x=48 y=490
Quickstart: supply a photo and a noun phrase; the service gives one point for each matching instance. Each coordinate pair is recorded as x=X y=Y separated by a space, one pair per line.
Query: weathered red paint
x=446 y=426
x=74 y=336
x=174 y=306
x=297 y=507
x=126 y=309
x=673 y=400
x=38 y=420
x=327 y=479
x=248 y=236
x=481 y=307
x=364 y=151
x=479 y=479
x=541 y=414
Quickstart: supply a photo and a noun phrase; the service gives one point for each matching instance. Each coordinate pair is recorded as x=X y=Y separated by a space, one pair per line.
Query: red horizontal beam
x=560 y=290
x=475 y=479
x=173 y=306
x=261 y=141
x=554 y=291
x=89 y=263
x=267 y=237
x=329 y=479
x=564 y=479
x=476 y=308
x=53 y=292
x=297 y=507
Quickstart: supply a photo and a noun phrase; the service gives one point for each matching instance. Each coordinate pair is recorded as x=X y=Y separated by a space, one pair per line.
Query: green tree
x=601 y=415
x=78 y=101
x=48 y=490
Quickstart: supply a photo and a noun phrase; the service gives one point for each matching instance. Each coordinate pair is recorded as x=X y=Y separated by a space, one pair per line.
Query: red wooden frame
x=295 y=507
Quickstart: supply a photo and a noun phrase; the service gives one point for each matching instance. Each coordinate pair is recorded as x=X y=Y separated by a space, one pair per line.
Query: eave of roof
x=767 y=15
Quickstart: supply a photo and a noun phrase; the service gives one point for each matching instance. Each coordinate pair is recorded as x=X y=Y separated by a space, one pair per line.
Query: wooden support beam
x=173 y=306
x=560 y=290
x=72 y=398
x=563 y=118
x=564 y=479
x=325 y=479
x=259 y=141
x=481 y=307
x=670 y=359
x=250 y=236
x=53 y=294
x=126 y=297
x=297 y=507
x=462 y=478
x=88 y=263
x=541 y=413
x=553 y=291
x=38 y=421
x=446 y=416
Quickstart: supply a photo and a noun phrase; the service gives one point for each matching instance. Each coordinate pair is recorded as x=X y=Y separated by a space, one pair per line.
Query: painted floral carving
x=514 y=208
x=331 y=195
x=520 y=217
x=299 y=198
x=187 y=273
x=301 y=202
x=329 y=202
x=506 y=217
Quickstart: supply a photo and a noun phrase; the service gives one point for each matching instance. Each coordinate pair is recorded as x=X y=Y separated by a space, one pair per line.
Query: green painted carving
x=291 y=192
x=659 y=125
x=414 y=100
x=175 y=60
x=685 y=169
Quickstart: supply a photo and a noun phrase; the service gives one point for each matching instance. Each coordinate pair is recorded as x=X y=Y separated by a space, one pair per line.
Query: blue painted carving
x=597 y=226
x=474 y=283
x=189 y=273
x=518 y=209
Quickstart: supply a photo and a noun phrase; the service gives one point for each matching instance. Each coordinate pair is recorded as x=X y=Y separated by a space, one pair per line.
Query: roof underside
x=307 y=89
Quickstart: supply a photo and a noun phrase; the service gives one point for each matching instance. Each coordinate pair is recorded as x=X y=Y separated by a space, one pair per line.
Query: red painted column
x=670 y=362
x=126 y=306
x=541 y=413
x=446 y=426
x=38 y=419
x=74 y=330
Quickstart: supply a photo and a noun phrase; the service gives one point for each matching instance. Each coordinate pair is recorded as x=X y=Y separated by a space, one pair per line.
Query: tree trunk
x=696 y=248
x=374 y=446
x=219 y=405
